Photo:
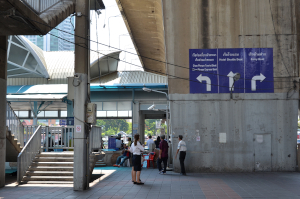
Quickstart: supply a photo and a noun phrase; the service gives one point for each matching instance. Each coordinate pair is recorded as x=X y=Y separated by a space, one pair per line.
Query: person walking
x=136 y=148
x=150 y=141
x=163 y=155
x=182 y=153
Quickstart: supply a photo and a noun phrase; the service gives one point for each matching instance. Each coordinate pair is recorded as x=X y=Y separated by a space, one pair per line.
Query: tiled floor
x=116 y=183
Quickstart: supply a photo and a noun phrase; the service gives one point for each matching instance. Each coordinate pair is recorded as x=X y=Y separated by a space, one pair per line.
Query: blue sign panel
x=212 y=70
x=203 y=71
x=62 y=122
x=70 y=121
x=259 y=70
x=230 y=62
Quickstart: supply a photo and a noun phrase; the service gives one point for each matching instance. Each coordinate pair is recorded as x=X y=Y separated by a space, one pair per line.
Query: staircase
x=100 y=163
x=51 y=167
x=13 y=147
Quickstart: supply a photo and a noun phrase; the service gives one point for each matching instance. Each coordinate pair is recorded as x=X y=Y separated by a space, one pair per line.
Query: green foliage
x=113 y=126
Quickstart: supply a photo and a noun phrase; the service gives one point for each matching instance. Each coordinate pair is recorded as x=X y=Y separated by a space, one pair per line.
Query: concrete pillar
x=35 y=113
x=70 y=108
x=3 y=77
x=135 y=118
x=142 y=127
x=82 y=62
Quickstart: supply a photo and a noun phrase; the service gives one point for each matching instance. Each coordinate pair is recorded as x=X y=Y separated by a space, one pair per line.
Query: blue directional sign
x=212 y=70
x=203 y=71
x=259 y=70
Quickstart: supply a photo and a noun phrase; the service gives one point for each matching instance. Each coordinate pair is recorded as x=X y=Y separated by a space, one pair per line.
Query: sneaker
x=118 y=165
x=160 y=172
x=115 y=165
x=163 y=173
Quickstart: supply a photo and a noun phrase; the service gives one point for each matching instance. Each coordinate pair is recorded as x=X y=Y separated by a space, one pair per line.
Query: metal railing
x=95 y=138
x=59 y=138
x=14 y=125
x=40 y=6
x=28 y=153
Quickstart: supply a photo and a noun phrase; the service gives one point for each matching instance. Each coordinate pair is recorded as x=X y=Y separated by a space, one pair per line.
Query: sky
x=113 y=32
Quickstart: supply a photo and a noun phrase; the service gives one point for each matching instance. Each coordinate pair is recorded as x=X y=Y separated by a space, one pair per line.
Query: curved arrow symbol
x=201 y=78
x=261 y=77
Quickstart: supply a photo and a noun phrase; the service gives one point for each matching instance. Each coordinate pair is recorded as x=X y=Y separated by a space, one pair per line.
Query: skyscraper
x=56 y=40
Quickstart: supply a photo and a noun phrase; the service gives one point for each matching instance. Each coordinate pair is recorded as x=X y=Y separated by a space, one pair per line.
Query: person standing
x=163 y=155
x=150 y=141
x=136 y=148
x=182 y=153
x=157 y=142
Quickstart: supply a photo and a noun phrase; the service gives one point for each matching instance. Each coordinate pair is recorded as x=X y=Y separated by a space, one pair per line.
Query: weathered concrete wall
x=206 y=24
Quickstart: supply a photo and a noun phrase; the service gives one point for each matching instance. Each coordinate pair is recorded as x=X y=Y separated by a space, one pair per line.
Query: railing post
x=47 y=138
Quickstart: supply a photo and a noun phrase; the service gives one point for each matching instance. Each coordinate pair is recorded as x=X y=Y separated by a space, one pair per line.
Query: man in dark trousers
x=163 y=155
x=182 y=153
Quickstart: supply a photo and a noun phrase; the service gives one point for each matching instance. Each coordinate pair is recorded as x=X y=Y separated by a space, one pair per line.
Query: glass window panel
x=122 y=113
x=130 y=113
x=109 y=106
x=112 y=113
x=63 y=113
x=30 y=62
x=17 y=113
x=41 y=114
x=17 y=55
x=22 y=113
x=99 y=106
x=14 y=39
x=124 y=106
x=101 y=113
x=51 y=113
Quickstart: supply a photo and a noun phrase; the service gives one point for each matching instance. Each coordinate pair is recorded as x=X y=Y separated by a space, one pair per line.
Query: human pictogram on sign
x=78 y=128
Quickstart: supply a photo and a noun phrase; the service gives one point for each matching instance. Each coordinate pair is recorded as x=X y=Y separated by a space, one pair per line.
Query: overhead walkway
x=26 y=17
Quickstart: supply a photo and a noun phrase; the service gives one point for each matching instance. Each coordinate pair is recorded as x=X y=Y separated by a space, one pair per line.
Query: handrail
x=28 y=153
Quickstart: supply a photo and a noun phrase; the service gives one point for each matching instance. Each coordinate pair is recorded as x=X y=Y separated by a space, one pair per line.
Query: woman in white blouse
x=136 y=148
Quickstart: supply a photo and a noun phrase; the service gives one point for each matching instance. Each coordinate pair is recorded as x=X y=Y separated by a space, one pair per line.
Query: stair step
x=54 y=159
x=50 y=168
x=49 y=182
x=57 y=164
x=55 y=154
x=49 y=173
x=47 y=178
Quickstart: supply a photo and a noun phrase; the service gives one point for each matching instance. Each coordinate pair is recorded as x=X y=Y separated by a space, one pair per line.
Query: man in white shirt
x=150 y=141
x=182 y=149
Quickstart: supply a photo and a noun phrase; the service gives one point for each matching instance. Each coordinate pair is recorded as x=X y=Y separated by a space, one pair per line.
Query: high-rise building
x=57 y=40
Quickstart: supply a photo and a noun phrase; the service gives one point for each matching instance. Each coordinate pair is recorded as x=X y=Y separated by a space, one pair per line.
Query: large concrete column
x=3 y=76
x=81 y=159
x=135 y=118
x=228 y=127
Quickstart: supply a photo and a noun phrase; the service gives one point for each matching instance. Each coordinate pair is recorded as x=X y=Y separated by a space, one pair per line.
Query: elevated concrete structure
x=144 y=21
x=272 y=117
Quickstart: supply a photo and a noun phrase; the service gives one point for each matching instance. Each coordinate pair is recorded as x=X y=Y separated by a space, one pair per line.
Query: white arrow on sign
x=201 y=78
x=261 y=77
x=231 y=75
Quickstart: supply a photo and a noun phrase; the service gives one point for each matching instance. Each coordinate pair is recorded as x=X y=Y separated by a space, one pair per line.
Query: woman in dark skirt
x=136 y=148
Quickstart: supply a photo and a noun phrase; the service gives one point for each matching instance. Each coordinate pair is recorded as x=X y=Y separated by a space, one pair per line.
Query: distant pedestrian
x=150 y=141
x=182 y=149
x=157 y=141
x=136 y=148
x=163 y=155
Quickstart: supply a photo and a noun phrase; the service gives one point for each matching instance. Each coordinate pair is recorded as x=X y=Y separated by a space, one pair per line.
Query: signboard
x=70 y=121
x=62 y=122
x=78 y=128
x=212 y=70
